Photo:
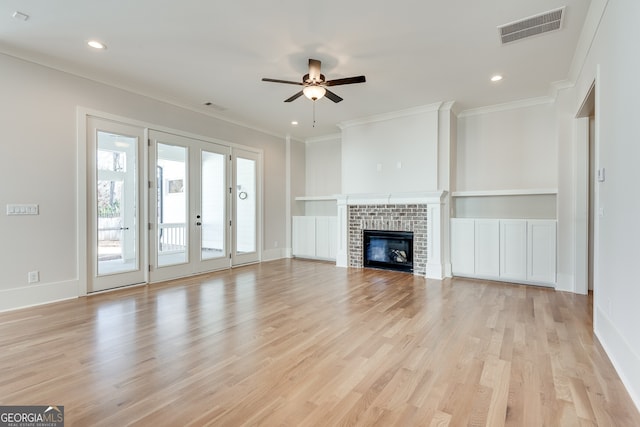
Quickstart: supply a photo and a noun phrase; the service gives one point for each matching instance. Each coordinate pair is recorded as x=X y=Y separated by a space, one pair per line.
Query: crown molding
x=557 y=87
x=136 y=91
x=451 y=106
x=523 y=103
x=294 y=138
x=391 y=115
x=587 y=36
x=324 y=138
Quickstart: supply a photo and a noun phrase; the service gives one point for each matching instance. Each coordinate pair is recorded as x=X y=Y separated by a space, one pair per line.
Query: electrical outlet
x=33 y=276
x=275 y=244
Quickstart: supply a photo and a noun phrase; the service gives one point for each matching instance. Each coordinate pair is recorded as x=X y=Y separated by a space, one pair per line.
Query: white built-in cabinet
x=315 y=237
x=514 y=250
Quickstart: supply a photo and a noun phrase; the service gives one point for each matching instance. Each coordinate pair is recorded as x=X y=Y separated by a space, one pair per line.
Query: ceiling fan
x=314 y=84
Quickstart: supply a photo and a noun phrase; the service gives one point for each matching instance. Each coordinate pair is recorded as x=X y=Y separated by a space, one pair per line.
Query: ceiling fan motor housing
x=309 y=80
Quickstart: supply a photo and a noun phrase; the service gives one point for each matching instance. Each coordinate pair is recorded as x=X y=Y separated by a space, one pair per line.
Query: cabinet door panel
x=304 y=236
x=326 y=237
x=322 y=237
x=462 y=246
x=487 y=247
x=513 y=249
x=542 y=252
x=333 y=237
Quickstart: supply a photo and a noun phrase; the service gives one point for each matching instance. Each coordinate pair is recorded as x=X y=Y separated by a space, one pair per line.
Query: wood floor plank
x=301 y=343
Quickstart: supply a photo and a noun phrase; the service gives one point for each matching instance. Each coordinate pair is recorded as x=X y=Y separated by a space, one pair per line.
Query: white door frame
x=581 y=189
x=85 y=191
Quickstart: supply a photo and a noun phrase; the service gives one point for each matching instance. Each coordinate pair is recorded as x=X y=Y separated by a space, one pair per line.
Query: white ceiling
x=188 y=52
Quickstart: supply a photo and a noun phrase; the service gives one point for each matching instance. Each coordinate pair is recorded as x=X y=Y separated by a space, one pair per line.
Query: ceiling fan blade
x=346 y=81
x=332 y=96
x=314 y=69
x=294 y=97
x=281 y=81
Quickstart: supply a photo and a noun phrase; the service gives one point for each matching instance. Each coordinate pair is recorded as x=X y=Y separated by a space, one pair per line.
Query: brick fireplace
x=389 y=218
x=420 y=213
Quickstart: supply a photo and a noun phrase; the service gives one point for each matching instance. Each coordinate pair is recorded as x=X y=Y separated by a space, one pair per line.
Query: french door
x=246 y=192
x=189 y=205
x=194 y=208
x=115 y=235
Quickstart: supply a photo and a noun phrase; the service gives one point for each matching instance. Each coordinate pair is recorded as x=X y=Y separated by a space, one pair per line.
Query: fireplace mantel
x=431 y=197
x=435 y=201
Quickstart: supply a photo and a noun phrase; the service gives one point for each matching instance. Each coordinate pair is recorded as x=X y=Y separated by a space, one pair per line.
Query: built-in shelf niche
x=511 y=204
x=318 y=205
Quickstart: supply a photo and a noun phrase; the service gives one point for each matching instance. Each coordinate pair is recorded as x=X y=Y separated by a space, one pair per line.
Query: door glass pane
x=245 y=205
x=116 y=195
x=212 y=241
x=171 y=170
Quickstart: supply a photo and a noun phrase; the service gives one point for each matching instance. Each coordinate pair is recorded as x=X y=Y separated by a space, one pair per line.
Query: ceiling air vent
x=532 y=26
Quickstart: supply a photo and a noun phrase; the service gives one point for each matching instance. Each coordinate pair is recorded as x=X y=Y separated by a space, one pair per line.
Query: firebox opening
x=390 y=250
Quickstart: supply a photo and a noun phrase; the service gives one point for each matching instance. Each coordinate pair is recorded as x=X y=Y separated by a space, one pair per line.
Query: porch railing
x=172 y=237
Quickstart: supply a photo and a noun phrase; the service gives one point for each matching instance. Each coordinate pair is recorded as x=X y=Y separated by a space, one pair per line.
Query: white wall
x=538 y=206
x=38 y=165
x=323 y=166
x=616 y=290
x=397 y=154
x=507 y=149
x=298 y=179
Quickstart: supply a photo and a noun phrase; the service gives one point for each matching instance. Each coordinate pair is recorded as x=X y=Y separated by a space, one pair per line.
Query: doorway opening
x=586 y=197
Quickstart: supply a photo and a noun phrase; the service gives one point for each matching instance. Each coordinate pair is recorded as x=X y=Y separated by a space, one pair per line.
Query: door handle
x=124 y=228
x=198 y=223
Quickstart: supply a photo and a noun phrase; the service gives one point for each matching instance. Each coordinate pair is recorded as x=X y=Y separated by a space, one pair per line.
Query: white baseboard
x=625 y=361
x=342 y=260
x=37 y=294
x=447 y=270
x=565 y=283
x=435 y=271
x=273 y=254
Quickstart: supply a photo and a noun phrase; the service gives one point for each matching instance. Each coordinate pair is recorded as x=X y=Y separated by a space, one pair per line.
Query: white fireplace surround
x=435 y=201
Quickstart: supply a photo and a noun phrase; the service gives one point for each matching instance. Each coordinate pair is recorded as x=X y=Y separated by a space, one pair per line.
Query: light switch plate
x=24 y=209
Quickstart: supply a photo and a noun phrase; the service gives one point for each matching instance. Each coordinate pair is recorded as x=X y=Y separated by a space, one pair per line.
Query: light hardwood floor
x=301 y=343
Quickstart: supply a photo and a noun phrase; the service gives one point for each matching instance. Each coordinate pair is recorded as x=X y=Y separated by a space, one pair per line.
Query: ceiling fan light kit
x=314 y=92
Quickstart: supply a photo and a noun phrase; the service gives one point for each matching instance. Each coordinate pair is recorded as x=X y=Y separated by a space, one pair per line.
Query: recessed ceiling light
x=96 y=44
x=496 y=78
x=294 y=123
